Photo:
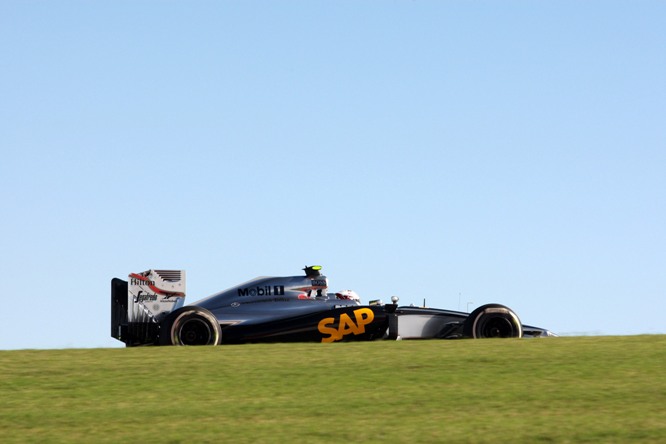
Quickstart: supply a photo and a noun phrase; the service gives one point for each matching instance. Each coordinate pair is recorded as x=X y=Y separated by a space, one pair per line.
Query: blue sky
x=455 y=151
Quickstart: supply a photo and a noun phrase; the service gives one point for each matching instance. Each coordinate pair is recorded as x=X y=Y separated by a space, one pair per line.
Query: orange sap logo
x=347 y=325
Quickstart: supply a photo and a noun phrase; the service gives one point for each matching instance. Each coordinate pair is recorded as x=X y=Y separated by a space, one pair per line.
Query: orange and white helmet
x=348 y=294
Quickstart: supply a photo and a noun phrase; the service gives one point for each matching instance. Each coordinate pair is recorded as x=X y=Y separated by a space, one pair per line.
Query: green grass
x=589 y=389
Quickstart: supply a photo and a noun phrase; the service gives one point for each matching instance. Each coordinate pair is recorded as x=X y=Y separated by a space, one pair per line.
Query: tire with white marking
x=190 y=325
x=493 y=321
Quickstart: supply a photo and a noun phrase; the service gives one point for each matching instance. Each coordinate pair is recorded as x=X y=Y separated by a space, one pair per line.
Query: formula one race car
x=149 y=309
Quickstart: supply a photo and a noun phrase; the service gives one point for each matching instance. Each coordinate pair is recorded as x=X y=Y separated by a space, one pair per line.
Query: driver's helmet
x=349 y=295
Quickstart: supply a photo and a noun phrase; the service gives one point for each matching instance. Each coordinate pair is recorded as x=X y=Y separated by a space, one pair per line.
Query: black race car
x=148 y=309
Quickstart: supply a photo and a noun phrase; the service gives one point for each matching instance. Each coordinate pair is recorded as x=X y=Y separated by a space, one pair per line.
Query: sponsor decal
x=144 y=297
x=346 y=325
x=319 y=282
x=135 y=281
x=275 y=290
x=258 y=301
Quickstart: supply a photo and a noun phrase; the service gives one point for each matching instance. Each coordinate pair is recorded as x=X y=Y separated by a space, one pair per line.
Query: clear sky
x=461 y=152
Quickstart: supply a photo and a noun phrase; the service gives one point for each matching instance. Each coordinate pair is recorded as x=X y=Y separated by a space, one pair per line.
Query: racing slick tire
x=190 y=326
x=493 y=321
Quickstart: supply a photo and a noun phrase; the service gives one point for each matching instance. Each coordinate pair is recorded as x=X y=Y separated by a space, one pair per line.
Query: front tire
x=190 y=325
x=493 y=321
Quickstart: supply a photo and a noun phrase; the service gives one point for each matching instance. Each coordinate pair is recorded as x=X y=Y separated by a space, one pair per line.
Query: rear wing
x=139 y=304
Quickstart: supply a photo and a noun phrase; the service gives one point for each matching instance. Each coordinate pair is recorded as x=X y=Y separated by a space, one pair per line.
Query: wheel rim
x=195 y=332
x=497 y=327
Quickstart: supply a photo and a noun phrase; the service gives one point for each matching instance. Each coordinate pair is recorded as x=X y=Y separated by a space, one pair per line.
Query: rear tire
x=493 y=321
x=190 y=325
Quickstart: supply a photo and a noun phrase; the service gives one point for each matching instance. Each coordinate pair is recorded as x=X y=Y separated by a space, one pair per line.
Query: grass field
x=586 y=389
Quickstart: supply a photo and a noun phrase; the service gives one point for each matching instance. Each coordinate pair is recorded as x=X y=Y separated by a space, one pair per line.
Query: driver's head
x=349 y=295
